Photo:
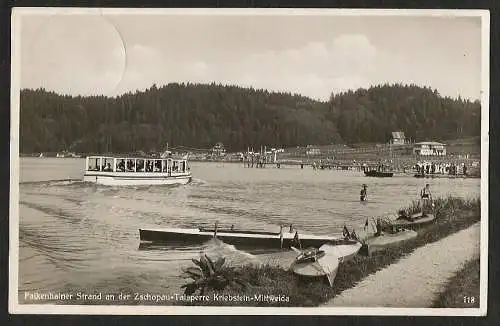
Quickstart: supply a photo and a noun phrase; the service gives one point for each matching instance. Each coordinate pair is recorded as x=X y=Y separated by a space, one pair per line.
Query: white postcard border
x=16 y=308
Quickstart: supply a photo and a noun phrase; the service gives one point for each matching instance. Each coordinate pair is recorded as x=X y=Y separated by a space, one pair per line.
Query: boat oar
x=373 y=225
x=215 y=229
x=281 y=236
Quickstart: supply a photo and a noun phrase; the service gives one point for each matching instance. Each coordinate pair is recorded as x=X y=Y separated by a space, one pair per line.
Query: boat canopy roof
x=125 y=157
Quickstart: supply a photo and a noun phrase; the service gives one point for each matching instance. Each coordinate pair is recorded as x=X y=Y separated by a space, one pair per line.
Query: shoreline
x=413 y=281
x=453 y=216
x=462 y=289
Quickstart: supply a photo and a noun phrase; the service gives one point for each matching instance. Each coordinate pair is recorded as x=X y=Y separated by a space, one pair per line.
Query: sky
x=110 y=54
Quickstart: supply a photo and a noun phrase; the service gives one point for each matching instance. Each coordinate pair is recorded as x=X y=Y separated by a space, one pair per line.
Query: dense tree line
x=199 y=115
x=368 y=115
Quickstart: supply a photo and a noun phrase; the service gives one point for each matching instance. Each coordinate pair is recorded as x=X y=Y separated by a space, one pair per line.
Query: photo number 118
x=469 y=299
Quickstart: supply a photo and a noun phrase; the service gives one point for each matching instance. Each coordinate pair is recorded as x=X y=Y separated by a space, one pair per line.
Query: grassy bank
x=462 y=290
x=452 y=215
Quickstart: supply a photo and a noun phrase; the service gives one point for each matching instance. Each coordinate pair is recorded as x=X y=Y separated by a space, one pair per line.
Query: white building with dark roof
x=429 y=148
x=398 y=138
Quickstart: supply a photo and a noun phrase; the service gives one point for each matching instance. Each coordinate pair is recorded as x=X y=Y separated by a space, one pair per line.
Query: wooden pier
x=314 y=165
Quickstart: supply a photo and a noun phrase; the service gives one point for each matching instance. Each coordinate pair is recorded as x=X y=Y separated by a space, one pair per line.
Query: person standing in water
x=363 y=194
x=426 y=197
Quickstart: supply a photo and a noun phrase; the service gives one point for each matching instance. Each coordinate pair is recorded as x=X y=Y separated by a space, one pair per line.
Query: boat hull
x=135 y=178
x=379 y=174
x=416 y=222
x=344 y=252
x=239 y=240
x=326 y=266
x=374 y=243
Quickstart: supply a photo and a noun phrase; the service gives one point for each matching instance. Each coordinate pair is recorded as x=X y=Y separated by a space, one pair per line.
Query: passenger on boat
x=108 y=168
x=363 y=193
x=158 y=166
x=140 y=166
x=121 y=165
x=130 y=166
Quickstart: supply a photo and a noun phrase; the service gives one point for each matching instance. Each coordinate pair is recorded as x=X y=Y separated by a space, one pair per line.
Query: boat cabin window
x=107 y=165
x=140 y=166
x=120 y=165
x=175 y=166
x=157 y=166
x=130 y=166
x=149 y=166
x=93 y=164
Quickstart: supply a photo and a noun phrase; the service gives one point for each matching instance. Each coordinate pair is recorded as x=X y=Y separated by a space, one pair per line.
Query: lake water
x=75 y=236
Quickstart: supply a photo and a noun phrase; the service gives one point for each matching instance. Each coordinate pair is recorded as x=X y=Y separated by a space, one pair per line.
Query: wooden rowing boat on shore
x=373 y=243
x=316 y=264
x=324 y=262
x=417 y=219
x=238 y=238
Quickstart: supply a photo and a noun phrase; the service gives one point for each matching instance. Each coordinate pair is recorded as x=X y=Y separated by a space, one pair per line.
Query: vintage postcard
x=249 y=161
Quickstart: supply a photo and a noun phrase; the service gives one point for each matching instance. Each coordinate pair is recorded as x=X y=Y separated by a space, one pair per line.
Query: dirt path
x=415 y=280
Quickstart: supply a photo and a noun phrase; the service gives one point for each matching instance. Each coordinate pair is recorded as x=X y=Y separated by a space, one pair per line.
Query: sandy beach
x=417 y=279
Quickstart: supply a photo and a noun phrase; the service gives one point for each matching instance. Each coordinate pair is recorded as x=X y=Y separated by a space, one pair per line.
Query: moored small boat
x=380 y=174
x=373 y=242
x=382 y=171
x=316 y=263
x=241 y=239
x=415 y=219
x=324 y=262
x=345 y=251
x=121 y=171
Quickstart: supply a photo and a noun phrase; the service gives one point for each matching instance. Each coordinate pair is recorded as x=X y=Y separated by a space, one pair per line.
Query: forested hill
x=198 y=116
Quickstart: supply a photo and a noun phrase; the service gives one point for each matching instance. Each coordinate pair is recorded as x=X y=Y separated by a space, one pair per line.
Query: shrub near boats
x=452 y=215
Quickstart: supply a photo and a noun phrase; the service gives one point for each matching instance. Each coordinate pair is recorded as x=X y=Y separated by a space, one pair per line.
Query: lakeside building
x=218 y=150
x=398 y=138
x=429 y=148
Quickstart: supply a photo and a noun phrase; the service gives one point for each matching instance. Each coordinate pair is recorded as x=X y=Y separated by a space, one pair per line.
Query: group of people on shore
x=440 y=168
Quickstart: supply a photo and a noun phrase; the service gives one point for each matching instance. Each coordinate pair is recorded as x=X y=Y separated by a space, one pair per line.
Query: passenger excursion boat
x=113 y=171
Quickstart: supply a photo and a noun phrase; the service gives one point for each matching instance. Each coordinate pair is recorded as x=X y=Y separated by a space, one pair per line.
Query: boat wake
x=59 y=182
x=196 y=182
x=213 y=248
x=216 y=248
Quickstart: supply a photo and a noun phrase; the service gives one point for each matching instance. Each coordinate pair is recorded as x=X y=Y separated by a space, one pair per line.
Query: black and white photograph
x=249 y=161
